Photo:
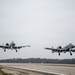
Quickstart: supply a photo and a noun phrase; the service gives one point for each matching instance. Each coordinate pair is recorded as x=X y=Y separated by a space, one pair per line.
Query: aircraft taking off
x=67 y=48
x=12 y=46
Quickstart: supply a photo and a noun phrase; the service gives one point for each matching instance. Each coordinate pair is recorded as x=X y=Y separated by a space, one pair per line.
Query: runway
x=42 y=68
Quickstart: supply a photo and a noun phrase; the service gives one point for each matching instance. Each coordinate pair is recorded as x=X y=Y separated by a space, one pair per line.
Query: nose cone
x=45 y=48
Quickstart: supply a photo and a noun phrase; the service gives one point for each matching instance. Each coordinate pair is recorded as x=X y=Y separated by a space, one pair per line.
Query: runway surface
x=59 y=69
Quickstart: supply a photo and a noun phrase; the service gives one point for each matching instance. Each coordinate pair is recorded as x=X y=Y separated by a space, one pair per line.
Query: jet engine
x=73 y=50
x=7 y=44
x=13 y=44
x=60 y=47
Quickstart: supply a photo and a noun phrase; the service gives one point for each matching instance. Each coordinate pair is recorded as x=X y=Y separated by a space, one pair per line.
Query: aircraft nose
x=44 y=48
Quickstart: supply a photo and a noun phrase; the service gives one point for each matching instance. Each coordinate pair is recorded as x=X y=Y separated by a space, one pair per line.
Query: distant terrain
x=39 y=60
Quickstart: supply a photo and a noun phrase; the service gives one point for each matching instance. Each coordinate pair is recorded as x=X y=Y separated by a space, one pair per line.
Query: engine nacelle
x=13 y=44
x=73 y=50
x=60 y=47
x=7 y=44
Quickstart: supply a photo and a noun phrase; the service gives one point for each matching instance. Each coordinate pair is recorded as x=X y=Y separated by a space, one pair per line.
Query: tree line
x=39 y=60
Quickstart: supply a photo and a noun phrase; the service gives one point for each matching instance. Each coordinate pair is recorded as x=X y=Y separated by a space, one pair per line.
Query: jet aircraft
x=68 y=48
x=12 y=46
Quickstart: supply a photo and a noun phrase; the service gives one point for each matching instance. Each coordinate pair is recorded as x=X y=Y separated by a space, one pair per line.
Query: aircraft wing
x=52 y=49
x=1 y=46
x=18 y=47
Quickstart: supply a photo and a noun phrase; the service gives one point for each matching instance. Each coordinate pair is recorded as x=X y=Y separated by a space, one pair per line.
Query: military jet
x=12 y=46
x=68 y=48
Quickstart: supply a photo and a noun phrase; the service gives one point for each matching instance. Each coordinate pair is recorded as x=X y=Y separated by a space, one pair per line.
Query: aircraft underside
x=11 y=49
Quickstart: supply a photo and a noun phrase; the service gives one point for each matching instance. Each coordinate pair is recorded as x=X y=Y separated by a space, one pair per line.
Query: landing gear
x=65 y=52
x=16 y=50
x=70 y=52
x=52 y=51
x=59 y=53
x=4 y=50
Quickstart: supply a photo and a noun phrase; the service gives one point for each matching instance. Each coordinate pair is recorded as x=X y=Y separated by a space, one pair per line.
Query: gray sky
x=39 y=23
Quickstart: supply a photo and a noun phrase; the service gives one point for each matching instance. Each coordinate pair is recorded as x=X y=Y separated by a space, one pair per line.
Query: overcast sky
x=39 y=23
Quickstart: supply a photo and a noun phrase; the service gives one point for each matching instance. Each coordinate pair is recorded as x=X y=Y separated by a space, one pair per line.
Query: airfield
x=37 y=69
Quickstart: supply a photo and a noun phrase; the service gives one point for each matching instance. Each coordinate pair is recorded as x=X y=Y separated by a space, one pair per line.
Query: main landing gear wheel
x=16 y=50
x=59 y=54
x=4 y=50
x=70 y=53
